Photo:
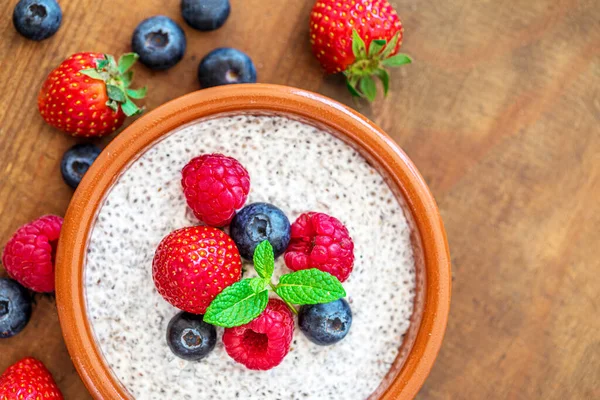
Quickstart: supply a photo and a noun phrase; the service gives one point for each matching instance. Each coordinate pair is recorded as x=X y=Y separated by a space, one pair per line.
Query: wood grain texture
x=500 y=112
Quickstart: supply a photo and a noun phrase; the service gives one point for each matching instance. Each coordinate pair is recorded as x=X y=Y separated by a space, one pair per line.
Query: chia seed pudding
x=298 y=168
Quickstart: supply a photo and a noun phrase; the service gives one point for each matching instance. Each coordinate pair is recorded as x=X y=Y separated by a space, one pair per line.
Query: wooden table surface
x=500 y=112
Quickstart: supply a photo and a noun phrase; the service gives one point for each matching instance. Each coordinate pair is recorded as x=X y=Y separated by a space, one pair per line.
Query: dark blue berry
x=189 y=337
x=159 y=42
x=15 y=308
x=205 y=15
x=327 y=323
x=256 y=223
x=76 y=161
x=37 y=19
x=225 y=66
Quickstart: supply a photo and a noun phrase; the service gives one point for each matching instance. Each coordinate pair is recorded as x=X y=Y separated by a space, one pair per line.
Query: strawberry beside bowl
x=421 y=341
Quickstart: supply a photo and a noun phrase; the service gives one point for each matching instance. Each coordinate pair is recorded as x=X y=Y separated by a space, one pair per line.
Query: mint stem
x=291 y=307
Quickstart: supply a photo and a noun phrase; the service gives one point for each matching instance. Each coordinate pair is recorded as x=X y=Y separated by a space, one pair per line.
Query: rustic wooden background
x=500 y=112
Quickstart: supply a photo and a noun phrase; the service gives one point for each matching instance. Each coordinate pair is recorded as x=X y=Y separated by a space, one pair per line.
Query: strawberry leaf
x=397 y=60
x=358 y=45
x=237 y=305
x=309 y=286
x=113 y=105
x=368 y=88
x=264 y=259
x=127 y=78
x=376 y=46
x=384 y=77
x=116 y=93
x=101 y=63
x=129 y=108
x=126 y=61
x=137 y=93
x=352 y=89
x=92 y=73
x=391 y=46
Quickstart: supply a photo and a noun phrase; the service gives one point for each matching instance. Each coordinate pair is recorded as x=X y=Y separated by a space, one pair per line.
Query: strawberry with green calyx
x=359 y=38
x=89 y=94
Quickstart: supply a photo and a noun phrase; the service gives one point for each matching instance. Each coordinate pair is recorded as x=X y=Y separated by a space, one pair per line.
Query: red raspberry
x=193 y=265
x=29 y=254
x=320 y=241
x=215 y=186
x=28 y=379
x=264 y=342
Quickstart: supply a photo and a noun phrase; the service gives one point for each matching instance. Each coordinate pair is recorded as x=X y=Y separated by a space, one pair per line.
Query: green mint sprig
x=245 y=300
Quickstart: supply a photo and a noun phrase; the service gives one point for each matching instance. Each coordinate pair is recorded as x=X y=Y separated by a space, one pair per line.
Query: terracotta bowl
x=424 y=338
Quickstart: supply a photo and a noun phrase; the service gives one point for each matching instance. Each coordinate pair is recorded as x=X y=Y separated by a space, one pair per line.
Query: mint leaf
x=237 y=305
x=137 y=93
x=92 y=73
x=309 y=286
x=376 y=46
x=126 y=61
x=359 y=48
x=368 y=88
x=264 y=259
x=258 y=284
x=384 y=77
x=397 y=60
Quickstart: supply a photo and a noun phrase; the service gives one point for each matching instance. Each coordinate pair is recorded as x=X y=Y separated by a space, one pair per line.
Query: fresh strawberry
x=29 y=254
x=193 y=265
x=89 y=95
x=359 y=38
x=28 y=380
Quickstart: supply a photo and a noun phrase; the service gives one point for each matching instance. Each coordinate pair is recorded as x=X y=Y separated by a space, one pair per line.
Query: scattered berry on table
x=159 y=41
x=327 y=323
x=320 y=241
x=205 y=15
x=88 y=94
x=263 y=343
x=37 y=19
x=256 y=223
x=28 y=256
x=359 y=38
x=225 y=66
x=28 y=379
x=215 y=186
x=189 y=337
x=15 y=308
x=193 y=265
x=76 y=161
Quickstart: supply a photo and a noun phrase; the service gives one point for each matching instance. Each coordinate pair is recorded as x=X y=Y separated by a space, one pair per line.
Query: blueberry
x=15 y=308
x=159 y=42
x=225 y=66
x=76 y=161
x=189 y=337
x=256 y=223
x=205 y=15
x=327 y=323
x=37 y=19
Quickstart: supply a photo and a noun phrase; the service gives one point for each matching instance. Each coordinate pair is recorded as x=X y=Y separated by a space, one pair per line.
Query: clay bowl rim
x=374 y=144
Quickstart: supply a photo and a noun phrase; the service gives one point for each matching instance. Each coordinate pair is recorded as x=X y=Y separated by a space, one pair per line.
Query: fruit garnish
x=215 y=186
x=37 y=19
x=28 y=379
x=76 y=161
x=160 y=42
x=243 y=301
x=15 y=308
x=360 y=38
x=89 y=94
x=226 y=66
x=263 y=343
x=320 y=241
x=28 y=256
x=256 y=223
x=189 y=337
x=327 y=323
x=193 y=265
x=205 y=15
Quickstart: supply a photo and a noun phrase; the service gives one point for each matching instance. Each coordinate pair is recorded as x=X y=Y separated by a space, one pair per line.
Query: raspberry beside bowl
x=424 y=337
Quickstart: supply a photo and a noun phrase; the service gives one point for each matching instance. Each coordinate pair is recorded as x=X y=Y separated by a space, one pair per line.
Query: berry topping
x=215 y=186
x=256 y=223
x=28 y=379
x=263 y=343
x=225 y=66
x=189 y=337
x=159 y=41
x=88 y=94
x=29 y=254
x=37 y=19
x=193 y=265
x=76 y=161
x=327 y=323
x=205 y=15
x=15 y=308
x=360 y=38
x=323 y=242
